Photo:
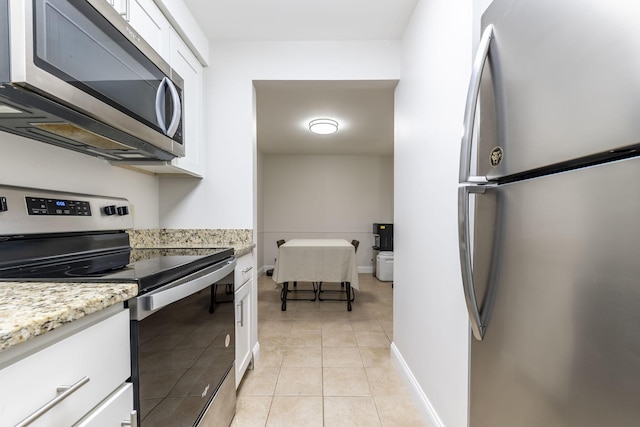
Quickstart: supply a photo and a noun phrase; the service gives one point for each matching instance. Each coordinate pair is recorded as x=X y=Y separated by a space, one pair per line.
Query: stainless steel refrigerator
x=549 y=215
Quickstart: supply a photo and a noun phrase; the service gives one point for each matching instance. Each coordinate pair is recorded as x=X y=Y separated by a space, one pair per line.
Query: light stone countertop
x=30 y=309
x=239 y=239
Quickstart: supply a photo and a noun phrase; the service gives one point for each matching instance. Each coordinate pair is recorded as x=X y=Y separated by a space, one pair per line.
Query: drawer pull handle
x=132 y=422
x=65 y=391
x=246 y=270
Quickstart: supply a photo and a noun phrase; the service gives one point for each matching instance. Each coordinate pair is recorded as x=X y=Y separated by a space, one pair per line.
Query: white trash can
x=384 y=266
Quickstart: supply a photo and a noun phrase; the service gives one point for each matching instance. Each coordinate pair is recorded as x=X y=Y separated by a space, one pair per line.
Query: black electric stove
x=43 y=258
x=150 y=268
x=53 y=236
x=56 y=236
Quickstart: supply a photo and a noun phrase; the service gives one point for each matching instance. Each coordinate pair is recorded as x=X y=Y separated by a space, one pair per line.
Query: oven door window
x=74 y=42
x=184 y=353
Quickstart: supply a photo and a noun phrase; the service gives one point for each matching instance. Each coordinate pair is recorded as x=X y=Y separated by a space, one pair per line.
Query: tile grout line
x=324 y=315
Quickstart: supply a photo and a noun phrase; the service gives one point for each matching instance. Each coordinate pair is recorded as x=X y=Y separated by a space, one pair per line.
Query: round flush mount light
x=323 y=126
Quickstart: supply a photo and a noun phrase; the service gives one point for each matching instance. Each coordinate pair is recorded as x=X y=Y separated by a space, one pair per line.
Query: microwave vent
x=75 y=133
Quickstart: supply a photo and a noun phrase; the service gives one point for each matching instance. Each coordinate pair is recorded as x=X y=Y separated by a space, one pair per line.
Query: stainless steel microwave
x=73 y=73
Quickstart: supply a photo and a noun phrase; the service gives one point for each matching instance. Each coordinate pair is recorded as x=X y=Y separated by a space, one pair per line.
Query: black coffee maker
x=383 y=237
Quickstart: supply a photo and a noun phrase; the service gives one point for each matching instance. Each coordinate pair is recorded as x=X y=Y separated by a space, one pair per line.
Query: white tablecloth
x=316 y=260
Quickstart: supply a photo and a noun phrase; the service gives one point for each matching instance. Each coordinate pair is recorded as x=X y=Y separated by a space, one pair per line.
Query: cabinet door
x=244 y=307
x=119 y=5
x=148 y=21
x=244 y=270
x=96 y=360
x=188 y=67
x=116 y=410
x=151 y=24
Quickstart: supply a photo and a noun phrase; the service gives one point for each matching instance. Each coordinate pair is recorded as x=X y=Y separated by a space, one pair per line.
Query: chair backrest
x=280 y=242
x=355 y=243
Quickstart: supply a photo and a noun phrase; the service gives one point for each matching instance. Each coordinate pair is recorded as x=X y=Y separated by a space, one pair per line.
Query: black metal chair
x=228 y=290
x=350 y=293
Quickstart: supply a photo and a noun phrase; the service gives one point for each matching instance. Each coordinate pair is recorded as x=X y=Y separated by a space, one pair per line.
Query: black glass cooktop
x=155 y=267
x=149 y=268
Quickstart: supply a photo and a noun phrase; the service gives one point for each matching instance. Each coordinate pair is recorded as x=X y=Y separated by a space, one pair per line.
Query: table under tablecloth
x=316 y=260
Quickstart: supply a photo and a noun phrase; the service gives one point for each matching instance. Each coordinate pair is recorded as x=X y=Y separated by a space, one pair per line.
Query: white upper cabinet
x=151 y=24
x=148 y=20
x=188 y=67
x=187 y=27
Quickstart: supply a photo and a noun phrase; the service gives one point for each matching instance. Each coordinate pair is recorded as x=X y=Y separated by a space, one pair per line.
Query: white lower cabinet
x=244 y=309
x=246 y=314
x=115 y=408
x=73 y=378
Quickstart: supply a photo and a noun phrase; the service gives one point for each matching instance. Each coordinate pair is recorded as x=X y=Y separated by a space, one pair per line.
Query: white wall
x=431 y=338
x=328 y=196
x=225 y=199
x=30 y=163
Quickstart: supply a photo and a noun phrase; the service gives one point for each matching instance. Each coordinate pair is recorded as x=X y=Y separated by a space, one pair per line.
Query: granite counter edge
x=31 y=309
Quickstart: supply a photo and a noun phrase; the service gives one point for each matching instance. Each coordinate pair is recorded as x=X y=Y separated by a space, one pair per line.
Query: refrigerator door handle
x=464 y=240
x=471 y=106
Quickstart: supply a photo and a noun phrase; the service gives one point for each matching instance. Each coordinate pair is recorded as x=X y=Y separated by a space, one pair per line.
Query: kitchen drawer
x=99 y=352
x=113 y=411
x=244 y=269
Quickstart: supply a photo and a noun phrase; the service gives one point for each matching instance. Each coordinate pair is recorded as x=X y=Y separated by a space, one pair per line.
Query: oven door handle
x=183 y=288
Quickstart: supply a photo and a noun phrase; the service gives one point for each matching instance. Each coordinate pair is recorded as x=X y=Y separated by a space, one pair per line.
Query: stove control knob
x=123 y=210
x=110 y=210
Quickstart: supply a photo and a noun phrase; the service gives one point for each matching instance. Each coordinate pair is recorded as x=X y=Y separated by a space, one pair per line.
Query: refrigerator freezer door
x=562 y=341
x=565 y=76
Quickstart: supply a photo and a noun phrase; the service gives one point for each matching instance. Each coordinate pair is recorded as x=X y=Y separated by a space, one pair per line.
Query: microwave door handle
x=160 y=105
x=471 y=106
x=177 y=109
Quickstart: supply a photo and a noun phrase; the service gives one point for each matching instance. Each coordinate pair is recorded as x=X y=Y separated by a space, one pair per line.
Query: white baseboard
x=256 y=354
x=263 y=269
x=427 y=410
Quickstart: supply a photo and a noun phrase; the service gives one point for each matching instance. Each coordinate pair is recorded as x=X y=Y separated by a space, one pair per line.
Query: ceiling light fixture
x=323 y=126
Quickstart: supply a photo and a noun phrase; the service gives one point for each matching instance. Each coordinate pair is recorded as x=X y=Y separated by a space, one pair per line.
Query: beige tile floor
x=321 y=365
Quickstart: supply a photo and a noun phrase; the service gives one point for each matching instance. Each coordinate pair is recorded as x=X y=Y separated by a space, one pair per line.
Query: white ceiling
x=364 y=109
x=270 y=20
